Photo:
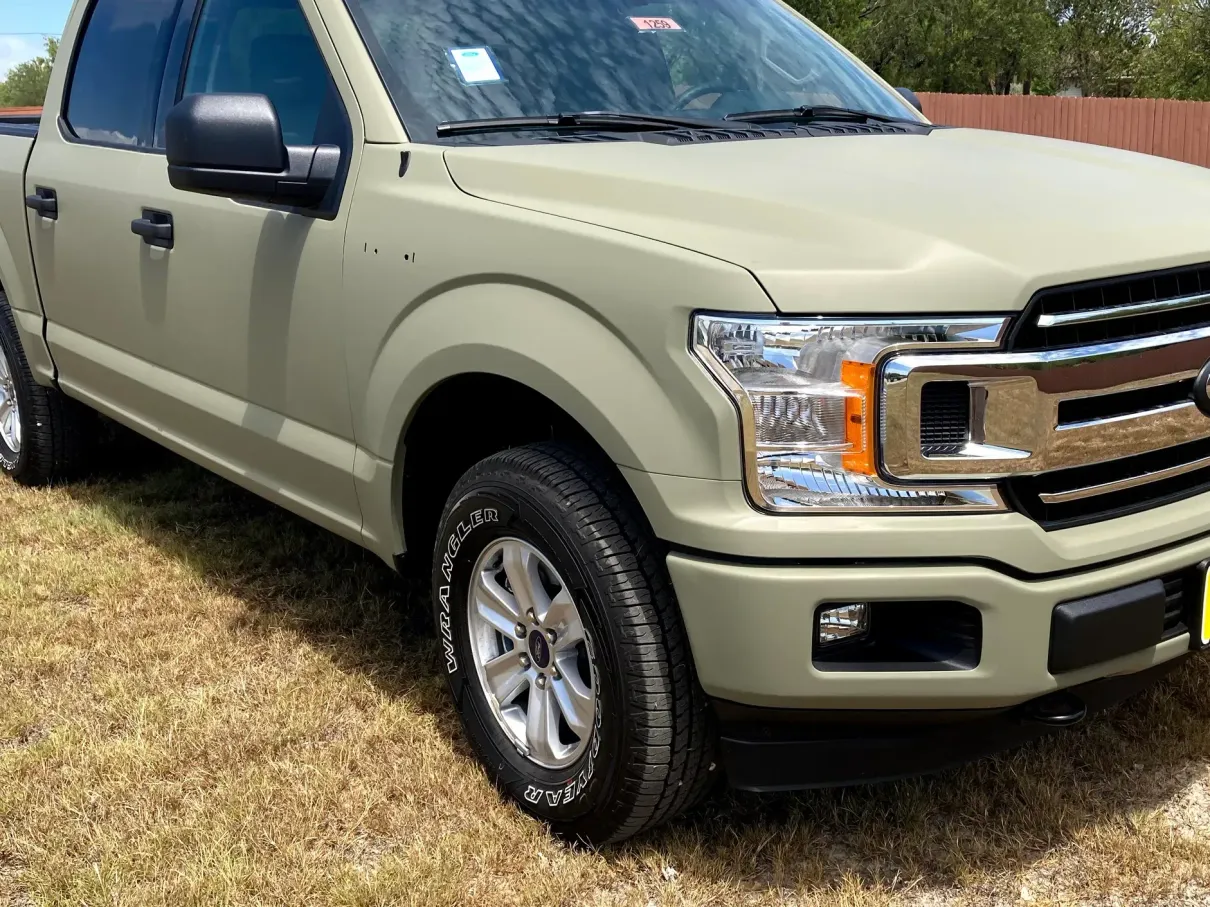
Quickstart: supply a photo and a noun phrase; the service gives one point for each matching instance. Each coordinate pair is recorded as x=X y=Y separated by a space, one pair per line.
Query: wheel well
x=462 y=421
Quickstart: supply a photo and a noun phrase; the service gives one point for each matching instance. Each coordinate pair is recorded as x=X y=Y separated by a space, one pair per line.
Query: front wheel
x=564 y=648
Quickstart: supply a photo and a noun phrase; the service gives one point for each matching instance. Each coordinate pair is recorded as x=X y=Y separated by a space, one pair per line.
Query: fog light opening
x=897 y=636
x=844 y=623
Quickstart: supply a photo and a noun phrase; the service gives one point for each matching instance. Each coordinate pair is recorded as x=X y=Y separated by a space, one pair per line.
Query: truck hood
x=957 y=220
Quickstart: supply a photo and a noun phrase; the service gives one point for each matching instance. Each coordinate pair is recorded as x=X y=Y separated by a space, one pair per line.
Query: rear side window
x=118 y=68
x=266 y=47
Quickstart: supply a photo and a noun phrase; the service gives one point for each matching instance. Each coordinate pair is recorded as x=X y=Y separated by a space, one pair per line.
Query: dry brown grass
x=204 y=701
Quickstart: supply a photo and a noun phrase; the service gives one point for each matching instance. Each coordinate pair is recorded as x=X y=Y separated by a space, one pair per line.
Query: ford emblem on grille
x=1201 y=390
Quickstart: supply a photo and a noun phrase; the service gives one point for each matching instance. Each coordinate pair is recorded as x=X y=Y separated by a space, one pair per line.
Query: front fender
x=440 y=284
x=665 y=417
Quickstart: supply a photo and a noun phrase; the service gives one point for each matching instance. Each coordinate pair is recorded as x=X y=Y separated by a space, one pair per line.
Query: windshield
x=451 y=60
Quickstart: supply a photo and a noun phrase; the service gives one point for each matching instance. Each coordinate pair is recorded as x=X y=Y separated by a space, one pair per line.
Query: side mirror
x=910 y=97
x=231 y=145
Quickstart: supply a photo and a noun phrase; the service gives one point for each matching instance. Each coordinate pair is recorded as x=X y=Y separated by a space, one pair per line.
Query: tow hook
x=1061 y=709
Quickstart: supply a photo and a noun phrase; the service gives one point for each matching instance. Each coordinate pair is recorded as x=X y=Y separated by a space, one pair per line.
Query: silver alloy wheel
x=10 y=412
x=532 y=653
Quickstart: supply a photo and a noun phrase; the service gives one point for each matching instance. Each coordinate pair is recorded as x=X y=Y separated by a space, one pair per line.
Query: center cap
x=1201 y=390
x=539 y=649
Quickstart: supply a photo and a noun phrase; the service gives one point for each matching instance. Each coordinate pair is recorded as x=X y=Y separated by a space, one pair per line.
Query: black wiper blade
x=807 y=114
x=596 y=120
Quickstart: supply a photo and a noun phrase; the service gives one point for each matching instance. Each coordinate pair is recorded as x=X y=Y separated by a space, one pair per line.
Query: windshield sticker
x=476 y=65
x=655 y=23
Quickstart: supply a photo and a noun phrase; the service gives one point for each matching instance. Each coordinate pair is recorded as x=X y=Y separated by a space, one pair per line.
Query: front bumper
x=751 y=627
x=790 y=720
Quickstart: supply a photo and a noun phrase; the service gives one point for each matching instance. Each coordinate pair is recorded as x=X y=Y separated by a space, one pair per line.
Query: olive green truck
x=748 y=425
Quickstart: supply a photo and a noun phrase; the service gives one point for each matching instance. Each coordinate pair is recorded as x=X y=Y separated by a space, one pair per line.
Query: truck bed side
x=17 y=136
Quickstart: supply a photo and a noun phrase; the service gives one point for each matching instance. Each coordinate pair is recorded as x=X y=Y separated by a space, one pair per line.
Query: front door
x=238 y=353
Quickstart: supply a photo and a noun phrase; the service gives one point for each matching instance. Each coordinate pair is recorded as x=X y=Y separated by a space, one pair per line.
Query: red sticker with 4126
x=655 y=23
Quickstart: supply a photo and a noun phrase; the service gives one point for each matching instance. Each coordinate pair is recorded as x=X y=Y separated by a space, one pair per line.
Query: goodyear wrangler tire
x=563 y=647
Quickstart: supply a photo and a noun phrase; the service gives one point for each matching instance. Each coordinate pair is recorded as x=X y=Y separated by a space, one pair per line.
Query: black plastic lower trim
x=1099 y=628
x=767 y=749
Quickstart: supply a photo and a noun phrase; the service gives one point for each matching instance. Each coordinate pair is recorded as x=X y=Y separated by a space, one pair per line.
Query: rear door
x=91 y=275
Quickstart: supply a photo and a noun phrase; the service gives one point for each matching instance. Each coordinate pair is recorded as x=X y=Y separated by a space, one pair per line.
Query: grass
x=205 y=701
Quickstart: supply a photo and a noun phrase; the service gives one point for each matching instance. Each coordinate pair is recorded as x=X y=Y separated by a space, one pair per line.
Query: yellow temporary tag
x=1206 y=608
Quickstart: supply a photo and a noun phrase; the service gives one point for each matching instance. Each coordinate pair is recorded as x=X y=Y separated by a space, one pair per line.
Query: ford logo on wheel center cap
x=539 y=649
x=1201 y=390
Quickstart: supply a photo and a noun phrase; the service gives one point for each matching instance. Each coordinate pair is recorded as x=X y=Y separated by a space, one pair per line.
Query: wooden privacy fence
x=1175 y=129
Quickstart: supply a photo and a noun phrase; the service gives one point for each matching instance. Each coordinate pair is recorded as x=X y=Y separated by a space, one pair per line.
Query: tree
x=978 y=46
x=1177 y=64
x=1101 y=43
x=845 y=20
x=25 y=85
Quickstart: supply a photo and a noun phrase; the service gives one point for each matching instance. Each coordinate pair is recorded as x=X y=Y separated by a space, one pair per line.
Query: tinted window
x=265 y=47
x=448 y=60
x=119 y=64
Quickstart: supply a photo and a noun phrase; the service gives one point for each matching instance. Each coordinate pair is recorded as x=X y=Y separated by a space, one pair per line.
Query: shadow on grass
x=992 y=817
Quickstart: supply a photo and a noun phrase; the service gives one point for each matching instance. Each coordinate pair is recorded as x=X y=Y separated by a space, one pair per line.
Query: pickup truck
x=748 y=425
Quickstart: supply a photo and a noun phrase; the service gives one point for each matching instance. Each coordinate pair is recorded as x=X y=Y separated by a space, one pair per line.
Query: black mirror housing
x=910 y=97
x=231 y=145
x=226 y=132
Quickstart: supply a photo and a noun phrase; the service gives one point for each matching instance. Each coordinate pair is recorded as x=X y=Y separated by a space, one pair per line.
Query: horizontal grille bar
x=1104 y=409
x=1117 y=308
x=1152 y=307
x=1056 y=499
x=1146 y=478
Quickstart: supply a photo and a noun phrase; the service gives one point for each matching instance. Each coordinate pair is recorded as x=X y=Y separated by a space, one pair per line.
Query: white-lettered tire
x=43 y=435
x=564 y=649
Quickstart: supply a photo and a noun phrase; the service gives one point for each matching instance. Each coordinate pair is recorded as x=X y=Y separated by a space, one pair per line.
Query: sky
x=23 y=24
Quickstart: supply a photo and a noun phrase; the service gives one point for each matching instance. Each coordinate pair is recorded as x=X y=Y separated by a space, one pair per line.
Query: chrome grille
x=1070 y=497
x=1140 y=305
x=1088 y=413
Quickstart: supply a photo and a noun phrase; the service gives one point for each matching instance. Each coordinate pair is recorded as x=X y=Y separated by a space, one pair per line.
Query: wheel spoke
x=574 y=699
x=494 y=605
x=7 y=430
x=542 y=725
x=506 y=676
x=564 y=618
x=521 y=567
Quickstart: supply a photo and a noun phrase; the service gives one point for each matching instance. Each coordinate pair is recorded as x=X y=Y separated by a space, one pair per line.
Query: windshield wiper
x=809 y=114
x=596 y=120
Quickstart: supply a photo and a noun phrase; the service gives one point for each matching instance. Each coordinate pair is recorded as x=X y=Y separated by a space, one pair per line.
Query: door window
x=116 y=77
x=266 y=47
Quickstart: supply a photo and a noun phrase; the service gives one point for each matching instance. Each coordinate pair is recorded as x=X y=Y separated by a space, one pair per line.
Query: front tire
x=564 y=649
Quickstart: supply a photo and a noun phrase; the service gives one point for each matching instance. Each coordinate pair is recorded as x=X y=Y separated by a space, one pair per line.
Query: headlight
x=808 y=395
